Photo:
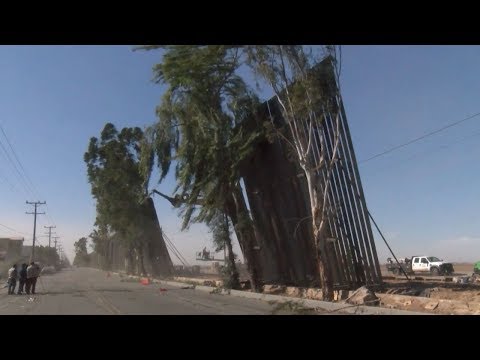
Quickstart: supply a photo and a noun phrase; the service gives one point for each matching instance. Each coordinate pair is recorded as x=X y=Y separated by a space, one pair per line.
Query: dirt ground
x=431 y=296
x=437 y=297
x=463 y=268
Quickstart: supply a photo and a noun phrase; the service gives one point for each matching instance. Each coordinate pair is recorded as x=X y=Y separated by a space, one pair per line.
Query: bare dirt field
x=433 y=296
x=466 y=268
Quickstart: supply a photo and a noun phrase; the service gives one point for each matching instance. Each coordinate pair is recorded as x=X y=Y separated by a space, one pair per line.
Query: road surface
x=84 y=291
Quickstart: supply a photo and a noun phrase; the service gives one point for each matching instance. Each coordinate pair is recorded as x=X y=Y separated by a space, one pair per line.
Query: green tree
x=117 y=185
x=47 y=255
x=81 y=253
x=200 y=128
x=220 y=227
x=290 y=71
x=124 y=210
x=102 y=240
x=64 y=262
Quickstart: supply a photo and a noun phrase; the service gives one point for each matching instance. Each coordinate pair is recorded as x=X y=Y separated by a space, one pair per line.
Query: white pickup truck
x=421 y=264
x=431 y=264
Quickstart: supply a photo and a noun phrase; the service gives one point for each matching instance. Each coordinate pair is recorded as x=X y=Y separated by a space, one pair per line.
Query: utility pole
x=60 y=251
x=55 y=241
x=49 y=233
x=35 y=213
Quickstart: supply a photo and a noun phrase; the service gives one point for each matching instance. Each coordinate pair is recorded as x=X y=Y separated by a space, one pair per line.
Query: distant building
x=10 y=248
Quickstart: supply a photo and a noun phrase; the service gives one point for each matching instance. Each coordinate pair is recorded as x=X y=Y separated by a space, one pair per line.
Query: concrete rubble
x=363 y=296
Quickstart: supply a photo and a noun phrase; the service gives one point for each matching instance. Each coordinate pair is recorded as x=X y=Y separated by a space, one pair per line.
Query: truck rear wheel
x=435 y=271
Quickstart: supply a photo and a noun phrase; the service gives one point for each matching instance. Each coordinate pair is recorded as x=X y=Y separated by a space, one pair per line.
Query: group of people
x=26 y=276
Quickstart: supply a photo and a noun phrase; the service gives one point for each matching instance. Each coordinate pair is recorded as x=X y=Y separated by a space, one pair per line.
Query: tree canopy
x=113 y=168
x=201 y=114
x=81 y=253
x=200 y=128
x=113 y=172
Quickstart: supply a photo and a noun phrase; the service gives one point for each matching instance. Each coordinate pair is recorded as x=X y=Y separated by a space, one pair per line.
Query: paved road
x=88 y=291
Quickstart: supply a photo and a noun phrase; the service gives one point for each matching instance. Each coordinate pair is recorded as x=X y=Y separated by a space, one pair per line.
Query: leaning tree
x=199 y=128
x=113 y=164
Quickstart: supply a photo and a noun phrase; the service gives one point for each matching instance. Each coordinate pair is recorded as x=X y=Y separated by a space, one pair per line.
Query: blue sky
x=424 y=197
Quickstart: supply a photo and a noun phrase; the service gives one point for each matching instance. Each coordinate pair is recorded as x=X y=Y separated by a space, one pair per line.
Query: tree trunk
x=246 y=235
x=106 y=256
x=143 y=272
x=323 y=265
x=110 y=255
x=130 y=263
x=230 y=263
x=318 y=223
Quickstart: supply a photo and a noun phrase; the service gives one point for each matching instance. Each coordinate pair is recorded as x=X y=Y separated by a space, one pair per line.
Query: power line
x=48 y=215
x=427 y=152
x=23 y=176
x=5 y=179
x=22 y=181
x=419 y=138
x=18 y=160
x=11 y=229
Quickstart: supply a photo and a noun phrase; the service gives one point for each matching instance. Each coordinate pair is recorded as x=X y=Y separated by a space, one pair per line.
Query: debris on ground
x=363 y=296
x=461 y=279
x=245 y=285
x=292 y=308
x=273 y=289
x=425 y=293
x=431 y=305
x=145 y=281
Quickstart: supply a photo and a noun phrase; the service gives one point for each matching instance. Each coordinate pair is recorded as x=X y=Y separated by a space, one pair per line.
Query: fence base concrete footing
x=307 y=303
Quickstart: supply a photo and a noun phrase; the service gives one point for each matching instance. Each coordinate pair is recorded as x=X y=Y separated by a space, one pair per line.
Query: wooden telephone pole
x=35 y=213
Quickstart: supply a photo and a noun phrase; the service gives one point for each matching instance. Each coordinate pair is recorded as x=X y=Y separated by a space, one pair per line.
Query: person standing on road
x=31 y=275
x=22 y=278
x=35 y=276
x=12 y=279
